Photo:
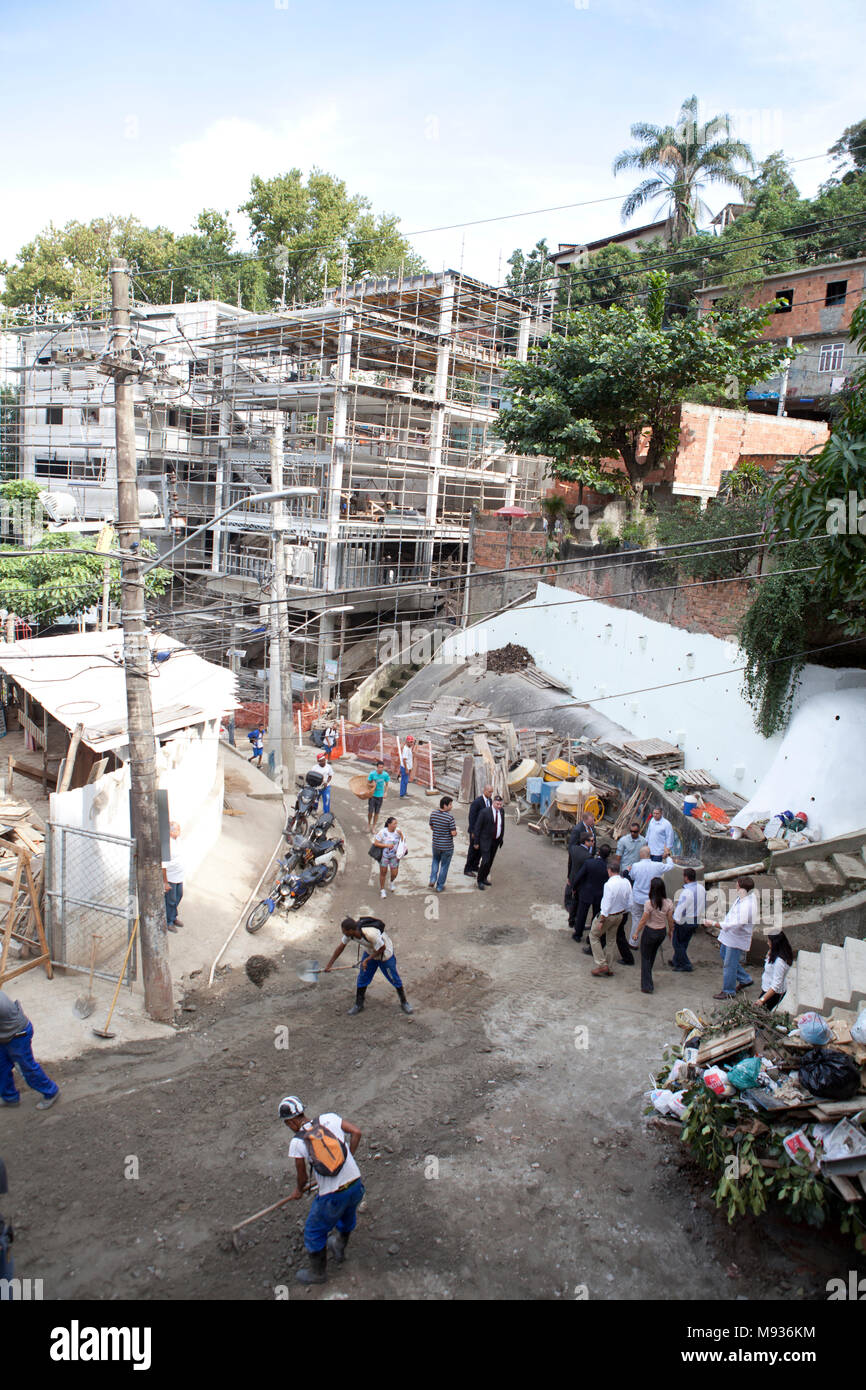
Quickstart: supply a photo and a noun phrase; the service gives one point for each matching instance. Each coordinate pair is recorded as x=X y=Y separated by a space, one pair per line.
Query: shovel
x=86 y=1003
x=310 y=970
x=103 y=1032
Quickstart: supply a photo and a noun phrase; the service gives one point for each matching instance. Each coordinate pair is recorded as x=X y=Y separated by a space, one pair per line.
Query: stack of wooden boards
x=654 y=759
x=472 y=748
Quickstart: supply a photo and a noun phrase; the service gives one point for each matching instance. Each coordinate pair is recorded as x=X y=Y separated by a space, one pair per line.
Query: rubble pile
x=774 y=1108
x=511 y=657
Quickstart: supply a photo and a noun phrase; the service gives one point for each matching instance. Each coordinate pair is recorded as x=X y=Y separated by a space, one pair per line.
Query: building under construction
x=382 y=398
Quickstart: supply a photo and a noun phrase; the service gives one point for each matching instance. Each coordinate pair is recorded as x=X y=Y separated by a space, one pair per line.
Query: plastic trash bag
x=745 y=1074
x=858 y=1029
x=829 y=1074
x=814 y=1029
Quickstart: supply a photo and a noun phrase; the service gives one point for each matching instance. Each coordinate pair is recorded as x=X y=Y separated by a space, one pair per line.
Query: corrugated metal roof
x=79 y=679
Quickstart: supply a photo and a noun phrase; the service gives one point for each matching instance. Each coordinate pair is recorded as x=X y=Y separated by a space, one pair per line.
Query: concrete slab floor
x=504 y=1154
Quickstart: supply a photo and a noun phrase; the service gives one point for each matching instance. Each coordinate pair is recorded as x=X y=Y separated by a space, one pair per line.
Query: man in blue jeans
x=370 y=931
x=735 y=938
x=172 y=879
x=16 y=1050
x=444 y=828
x=334 y=1209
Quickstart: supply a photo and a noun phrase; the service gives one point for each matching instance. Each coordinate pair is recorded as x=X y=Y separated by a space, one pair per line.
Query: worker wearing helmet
x=333 y=1215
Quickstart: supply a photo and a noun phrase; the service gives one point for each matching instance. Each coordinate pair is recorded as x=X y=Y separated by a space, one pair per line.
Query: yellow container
x=559 y=769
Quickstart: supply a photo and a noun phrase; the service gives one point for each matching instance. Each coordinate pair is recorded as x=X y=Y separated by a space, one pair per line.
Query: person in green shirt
x=380 y=779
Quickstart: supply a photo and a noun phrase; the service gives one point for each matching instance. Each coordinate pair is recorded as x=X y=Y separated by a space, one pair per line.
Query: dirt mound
x=235 y=782
x=511 y=657
x=450 y=979
x=258 y=969
x=499 y=935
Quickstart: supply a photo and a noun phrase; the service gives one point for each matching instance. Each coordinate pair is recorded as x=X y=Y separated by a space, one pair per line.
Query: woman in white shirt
x=778 y=962
x=735 y=938
x=393 y=846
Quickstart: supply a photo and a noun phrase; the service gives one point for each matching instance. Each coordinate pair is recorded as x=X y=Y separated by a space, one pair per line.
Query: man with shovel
x=370 y=931
x=328 y=1146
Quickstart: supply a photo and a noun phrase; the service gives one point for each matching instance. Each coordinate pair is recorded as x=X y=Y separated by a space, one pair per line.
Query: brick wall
x=809 y=313
x=716 y=609
x=712 y=441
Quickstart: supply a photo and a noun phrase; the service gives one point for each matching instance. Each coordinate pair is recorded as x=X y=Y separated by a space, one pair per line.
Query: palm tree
x=684 y=157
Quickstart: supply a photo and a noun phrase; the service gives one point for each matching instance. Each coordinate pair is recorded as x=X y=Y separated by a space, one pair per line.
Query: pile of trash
x=786 y=830
x=774 y=1106
x=511 y=657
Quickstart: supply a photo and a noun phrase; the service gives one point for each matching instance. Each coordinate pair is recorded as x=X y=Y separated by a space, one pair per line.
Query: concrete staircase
x=398 y=677
x=822 y=980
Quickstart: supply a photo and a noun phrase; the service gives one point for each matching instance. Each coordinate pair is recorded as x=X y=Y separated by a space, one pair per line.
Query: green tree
x=301 y=230
x=684 y=158
x=210 y=265
x=531 y=274
x=613 y=382
x=64 y=270
x=44 y=586
x=850 y=149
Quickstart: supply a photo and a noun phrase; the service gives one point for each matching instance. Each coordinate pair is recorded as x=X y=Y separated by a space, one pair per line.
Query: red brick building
x=817 y=303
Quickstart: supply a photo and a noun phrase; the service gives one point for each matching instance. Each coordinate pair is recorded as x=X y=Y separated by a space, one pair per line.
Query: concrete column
x=523 y=337
x=339 y=452
x=222 y=468
x=440 y=396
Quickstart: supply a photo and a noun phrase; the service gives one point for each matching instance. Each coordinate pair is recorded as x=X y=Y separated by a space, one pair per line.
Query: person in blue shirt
x=257 y=739
x=380 y=779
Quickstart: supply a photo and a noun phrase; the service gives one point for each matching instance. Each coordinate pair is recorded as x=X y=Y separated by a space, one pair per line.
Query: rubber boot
x=337 y=1242
x=404 y=1002
x=314 y=1272
x=358 y=1006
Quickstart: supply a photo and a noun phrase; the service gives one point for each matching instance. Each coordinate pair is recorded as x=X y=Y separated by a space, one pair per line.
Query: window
x=173 y=416
x=786 y=300
x=54 y=415
x=90 y=414
x=836 y=291
x=832 y=357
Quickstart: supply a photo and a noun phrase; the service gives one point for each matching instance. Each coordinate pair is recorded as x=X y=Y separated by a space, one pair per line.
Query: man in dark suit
x=481 y=803
x=590 y=881
x=491 y=833
x=578 y=853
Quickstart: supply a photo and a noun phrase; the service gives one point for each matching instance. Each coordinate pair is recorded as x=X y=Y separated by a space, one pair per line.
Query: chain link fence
x=90 y=900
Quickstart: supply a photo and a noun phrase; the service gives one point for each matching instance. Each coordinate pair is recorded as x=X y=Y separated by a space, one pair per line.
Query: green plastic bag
x=745 y=1074
x=671 y=783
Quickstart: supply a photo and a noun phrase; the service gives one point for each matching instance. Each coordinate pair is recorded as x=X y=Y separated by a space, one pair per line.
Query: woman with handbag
x=389 y=847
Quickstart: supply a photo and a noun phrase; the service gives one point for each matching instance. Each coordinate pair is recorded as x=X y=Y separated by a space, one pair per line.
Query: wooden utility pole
x=281 y=732
x=158 y=999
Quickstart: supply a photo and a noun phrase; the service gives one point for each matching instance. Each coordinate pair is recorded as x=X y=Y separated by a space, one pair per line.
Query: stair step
x=834 y=970
x=793 y=879
x=823 y=874
x=810 y=981
x=855 y=957
x=851 y=867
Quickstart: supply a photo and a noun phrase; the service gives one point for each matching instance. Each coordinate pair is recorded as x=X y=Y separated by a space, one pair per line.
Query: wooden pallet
x=654 y=751
x=695 y=778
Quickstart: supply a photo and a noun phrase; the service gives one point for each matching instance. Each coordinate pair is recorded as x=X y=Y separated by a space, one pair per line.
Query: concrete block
x=851 y=867
x=810 y=981
x=855 y=959
x=823 y=874
x=834 y=970
x=792 y=879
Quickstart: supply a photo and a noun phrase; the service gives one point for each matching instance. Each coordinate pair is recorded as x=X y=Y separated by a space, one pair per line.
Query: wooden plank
x=724 y=1046
x=467 y=779
x=69 y=761
x=838 y=1109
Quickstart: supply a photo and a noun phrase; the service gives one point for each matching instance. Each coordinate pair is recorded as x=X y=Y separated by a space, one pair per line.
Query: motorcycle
x=319 y=866
x=318 y=832
x=309 y=849
x=306 y=803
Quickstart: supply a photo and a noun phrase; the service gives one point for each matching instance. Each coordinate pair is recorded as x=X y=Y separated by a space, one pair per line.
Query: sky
x=441 y=114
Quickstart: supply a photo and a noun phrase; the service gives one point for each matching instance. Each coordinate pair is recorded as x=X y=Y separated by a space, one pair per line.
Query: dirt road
x=504 y=1150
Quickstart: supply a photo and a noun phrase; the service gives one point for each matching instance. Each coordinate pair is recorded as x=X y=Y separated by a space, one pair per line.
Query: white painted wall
x=604 y=653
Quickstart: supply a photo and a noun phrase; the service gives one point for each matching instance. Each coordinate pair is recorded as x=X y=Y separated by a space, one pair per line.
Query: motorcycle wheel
x=331 y=873
x=258 y=917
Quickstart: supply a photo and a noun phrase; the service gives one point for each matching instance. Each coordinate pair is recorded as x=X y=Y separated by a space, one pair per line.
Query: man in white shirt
x=327 y=777
x=689 y=912
x=172 y=879
x=406 y=763
x=642 y=873
x=659 y=835
x=735 y=938
x=616 y=904
x=334 y=1208
x=370 y=931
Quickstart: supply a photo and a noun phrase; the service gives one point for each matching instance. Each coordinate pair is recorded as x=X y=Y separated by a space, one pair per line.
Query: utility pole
x=781 y=408
x=281 y=733
x=158 y=1000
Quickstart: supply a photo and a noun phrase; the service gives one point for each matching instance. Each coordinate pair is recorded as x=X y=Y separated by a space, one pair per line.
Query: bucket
x=689 y=805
